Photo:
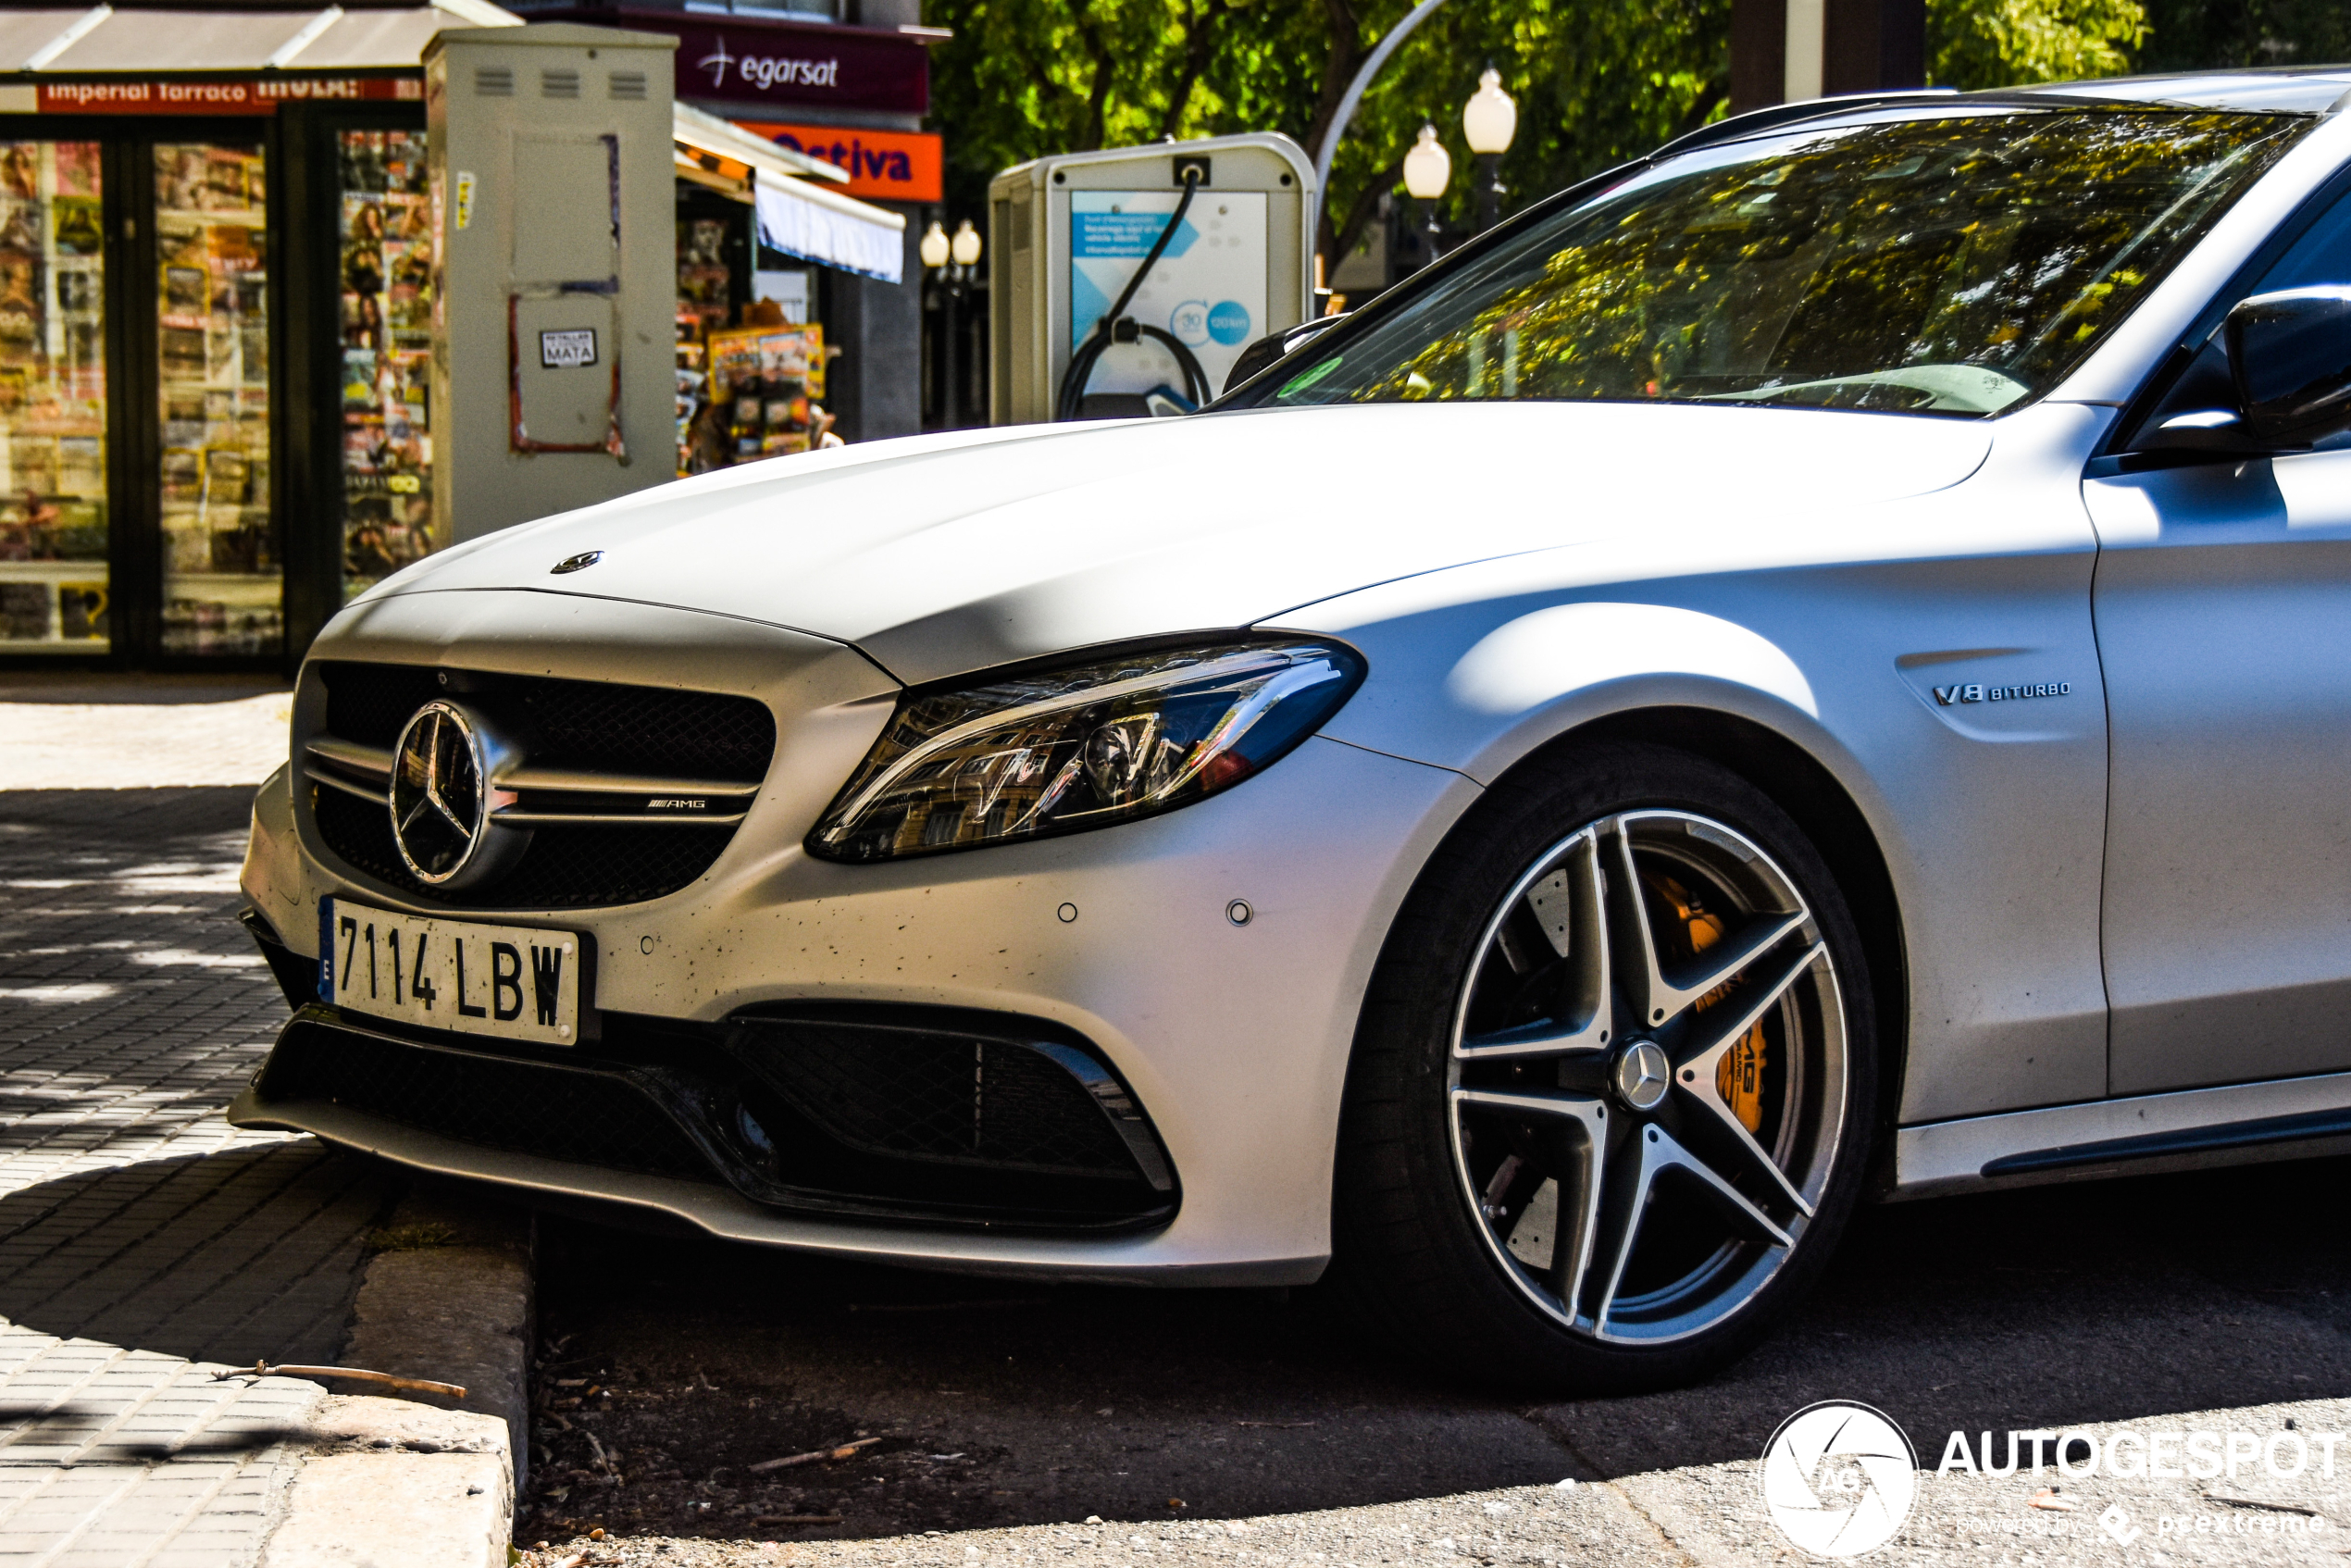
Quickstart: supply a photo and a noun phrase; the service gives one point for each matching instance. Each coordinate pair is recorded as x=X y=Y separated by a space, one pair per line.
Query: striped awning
x=797 y=215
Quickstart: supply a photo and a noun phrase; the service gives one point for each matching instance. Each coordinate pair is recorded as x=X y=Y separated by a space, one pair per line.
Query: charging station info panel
x=1208 y=290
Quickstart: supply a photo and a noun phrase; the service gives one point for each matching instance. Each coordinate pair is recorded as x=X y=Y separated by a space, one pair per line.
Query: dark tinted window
x=1954 y=265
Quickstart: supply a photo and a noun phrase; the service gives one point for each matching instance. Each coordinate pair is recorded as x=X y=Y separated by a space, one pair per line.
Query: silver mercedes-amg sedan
x=1812 y=667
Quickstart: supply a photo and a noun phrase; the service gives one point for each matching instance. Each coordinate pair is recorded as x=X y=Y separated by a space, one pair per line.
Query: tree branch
x=1347 y=55
x=1200 y=37
x=1089 y=33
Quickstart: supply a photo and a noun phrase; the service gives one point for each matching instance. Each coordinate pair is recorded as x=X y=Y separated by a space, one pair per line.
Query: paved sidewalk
x=145 y=1243
x=168 y=735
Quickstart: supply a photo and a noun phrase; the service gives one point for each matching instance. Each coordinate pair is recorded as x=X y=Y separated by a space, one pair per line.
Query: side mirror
x=1272 y=347
x=2290 y=355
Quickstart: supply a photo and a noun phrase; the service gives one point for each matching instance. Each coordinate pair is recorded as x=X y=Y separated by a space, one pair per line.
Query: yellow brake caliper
x=1739 y=1077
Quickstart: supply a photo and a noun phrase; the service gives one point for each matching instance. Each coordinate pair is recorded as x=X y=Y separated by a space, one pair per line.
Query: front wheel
x=1614 y=1082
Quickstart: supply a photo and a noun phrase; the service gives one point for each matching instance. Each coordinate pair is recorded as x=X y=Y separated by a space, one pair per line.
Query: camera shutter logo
x=1839 y=1479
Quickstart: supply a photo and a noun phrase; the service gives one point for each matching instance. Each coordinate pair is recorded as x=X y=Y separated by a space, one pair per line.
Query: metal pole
x=1354 y=95
x=950 y=388
x=1489 y=191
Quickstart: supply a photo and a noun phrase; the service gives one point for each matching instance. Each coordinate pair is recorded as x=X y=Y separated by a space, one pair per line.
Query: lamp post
x=1489 y=121
x=953 y=260
x=936 y=250
x=1428 y=167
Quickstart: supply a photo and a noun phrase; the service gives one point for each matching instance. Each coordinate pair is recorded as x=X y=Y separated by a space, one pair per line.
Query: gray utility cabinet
x=556 y=276
x=1066 y=233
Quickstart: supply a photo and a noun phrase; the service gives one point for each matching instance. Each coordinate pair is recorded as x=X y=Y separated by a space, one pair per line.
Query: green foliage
x=1974 y=44
x=1596 y=80
x=2204 y=34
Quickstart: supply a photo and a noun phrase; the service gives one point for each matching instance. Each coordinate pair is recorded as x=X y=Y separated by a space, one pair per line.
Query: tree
x=1597 y=82
x=1974 y=44
x=2201 y=34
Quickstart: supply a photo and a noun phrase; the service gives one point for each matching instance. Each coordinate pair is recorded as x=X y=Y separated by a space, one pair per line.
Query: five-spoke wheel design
x=1648 y=1076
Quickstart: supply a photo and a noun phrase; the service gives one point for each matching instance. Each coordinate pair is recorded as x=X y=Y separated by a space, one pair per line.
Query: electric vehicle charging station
x=1068 y=235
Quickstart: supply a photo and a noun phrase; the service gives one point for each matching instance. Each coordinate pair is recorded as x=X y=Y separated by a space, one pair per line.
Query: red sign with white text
x=889 y=166
x=244 y=95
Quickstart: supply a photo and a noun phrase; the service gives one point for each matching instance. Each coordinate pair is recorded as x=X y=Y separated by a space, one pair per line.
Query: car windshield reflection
x=1954 y=263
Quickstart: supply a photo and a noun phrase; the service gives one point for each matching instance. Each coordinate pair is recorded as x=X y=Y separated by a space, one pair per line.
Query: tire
x=1575 y=1160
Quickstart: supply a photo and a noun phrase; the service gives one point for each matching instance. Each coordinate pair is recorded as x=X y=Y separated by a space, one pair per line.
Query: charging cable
x=1119 y=326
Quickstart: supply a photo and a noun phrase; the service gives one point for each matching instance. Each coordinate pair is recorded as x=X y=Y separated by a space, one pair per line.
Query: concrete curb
x=450 y=1298
x=393 y=1485
x=409 y=1481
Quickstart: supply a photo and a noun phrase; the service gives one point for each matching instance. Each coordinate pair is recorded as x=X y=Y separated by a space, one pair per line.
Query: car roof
x=2308 y=90
x=2304 y=90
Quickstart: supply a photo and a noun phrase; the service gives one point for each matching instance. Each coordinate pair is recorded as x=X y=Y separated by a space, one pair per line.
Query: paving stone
x=145 y=1243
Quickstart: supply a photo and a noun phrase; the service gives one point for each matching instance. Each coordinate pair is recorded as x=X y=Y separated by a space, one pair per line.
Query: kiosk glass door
x=53 y=578
x=223 y=581
x=385 y=232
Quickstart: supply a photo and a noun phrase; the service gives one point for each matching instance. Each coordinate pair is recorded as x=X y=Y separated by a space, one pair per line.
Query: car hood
x=940 y=554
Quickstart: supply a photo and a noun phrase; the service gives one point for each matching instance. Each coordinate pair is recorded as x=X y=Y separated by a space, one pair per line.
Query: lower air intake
x=918 y=1114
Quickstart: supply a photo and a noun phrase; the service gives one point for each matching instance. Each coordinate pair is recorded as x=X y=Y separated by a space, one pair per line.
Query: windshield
x=1953 y=265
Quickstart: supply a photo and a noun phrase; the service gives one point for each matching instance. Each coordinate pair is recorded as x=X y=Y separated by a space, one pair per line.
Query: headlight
x=1081 y=746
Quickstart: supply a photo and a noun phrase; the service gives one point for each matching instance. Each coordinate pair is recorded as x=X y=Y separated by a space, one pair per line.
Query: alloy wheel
x=1648 y=1076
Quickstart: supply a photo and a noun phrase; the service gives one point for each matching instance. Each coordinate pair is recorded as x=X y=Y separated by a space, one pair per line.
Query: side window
x=2322 y=255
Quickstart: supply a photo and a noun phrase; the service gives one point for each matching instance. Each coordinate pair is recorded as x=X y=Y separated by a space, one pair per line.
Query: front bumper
x=1234 y=1039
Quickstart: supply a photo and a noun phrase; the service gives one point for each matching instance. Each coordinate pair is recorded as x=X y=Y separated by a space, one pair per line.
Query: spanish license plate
x=513 y=981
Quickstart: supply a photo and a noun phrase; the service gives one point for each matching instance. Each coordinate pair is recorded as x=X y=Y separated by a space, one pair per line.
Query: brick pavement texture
x=145 y=1243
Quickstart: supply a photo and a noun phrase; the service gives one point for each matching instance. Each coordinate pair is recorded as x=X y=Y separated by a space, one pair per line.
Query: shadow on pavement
x=2042 y=1308
x=71 y=1424
x=132 y=1006
x=997 y=1402
x=2107 y=1302
x=236 y=1257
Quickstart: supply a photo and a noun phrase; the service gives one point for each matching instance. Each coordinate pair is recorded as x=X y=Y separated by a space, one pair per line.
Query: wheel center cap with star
x=1642 y=1075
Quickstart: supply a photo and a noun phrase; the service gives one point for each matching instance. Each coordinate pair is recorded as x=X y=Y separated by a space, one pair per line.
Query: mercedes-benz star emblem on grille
x=443 y=793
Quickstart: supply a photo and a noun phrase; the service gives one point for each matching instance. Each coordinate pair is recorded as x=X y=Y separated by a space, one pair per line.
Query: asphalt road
x=999 y=1405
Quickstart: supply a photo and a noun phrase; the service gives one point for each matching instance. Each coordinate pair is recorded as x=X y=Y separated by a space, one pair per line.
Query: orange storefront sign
x=890 y=166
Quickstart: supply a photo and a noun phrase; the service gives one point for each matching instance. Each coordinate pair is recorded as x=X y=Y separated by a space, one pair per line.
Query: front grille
x=941 y=1096
x=585 y=725
x=494 y=1103
x=565 y=867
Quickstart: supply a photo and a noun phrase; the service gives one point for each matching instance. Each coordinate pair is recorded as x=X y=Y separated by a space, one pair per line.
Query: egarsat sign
x=768 y=71
x=781 y=66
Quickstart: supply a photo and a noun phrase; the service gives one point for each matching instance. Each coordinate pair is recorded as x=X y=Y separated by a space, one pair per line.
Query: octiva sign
x=890 y=166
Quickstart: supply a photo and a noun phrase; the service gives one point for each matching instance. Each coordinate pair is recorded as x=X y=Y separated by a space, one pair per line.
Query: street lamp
x=1427 y=169
x=954 y=261
x=1489 y=121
